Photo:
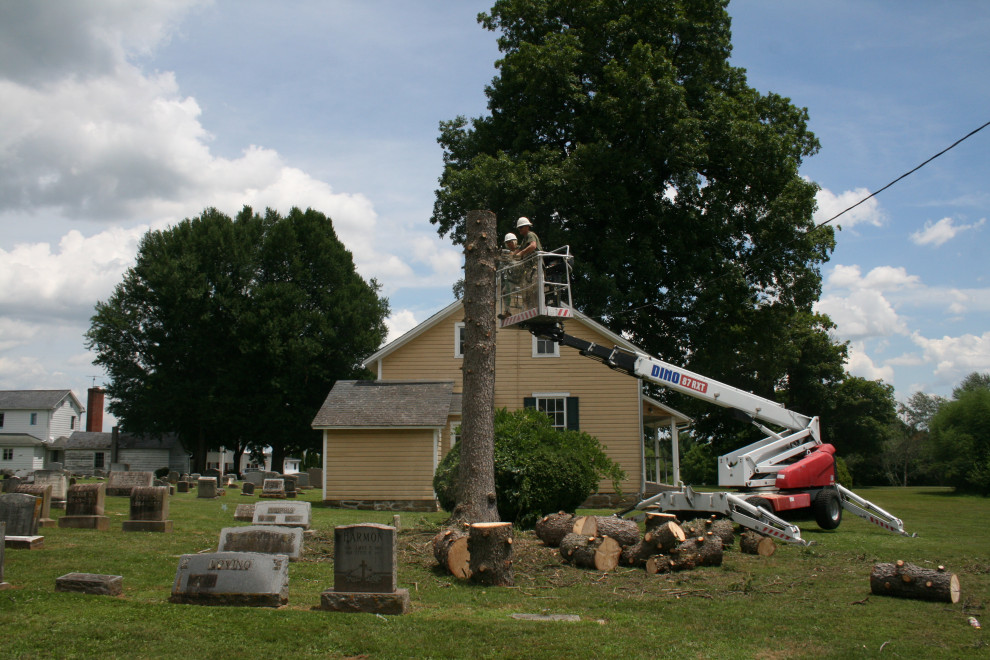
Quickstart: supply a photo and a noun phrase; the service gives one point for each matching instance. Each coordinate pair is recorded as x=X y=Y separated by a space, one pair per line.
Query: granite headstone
x=274 y=489
x=85 y=508
x=43 y=492
x=232 y=578
x=59 y=483
x=266 y=539
x=364 y=572
x=122 y=483
x=149 y=510
x=287 y=514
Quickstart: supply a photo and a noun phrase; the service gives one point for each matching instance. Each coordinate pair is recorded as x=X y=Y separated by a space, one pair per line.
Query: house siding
x=609 y=401
x=19 y=421
x=80 y=461
x=61 y=420
x=25 y=459
x=379 y=464
x=143 y=460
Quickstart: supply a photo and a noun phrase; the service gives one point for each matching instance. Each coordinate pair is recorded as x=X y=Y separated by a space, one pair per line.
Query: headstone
x=59 y=483
x=21 y=512
x=290 y=485
x=54 y=467
x=302 y=480
x=3 y=534
x=244 y=512
x=232 y=578
x=182 y=486
x=266 y=539
x=248 y=488
x=44 y=493
x=286 y=514
x=91 y=583
x=149 y=510
x=119 y=467
x=364 y=572
x=173 y=477
x=122 y=483
x=315 y=477
x=228 y=480
x=273 y=488
x=254 y=478
x=207 y=488
x=10 y=484
x=84 y=508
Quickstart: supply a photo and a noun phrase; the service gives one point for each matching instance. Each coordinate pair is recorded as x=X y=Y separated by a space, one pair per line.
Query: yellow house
x=382 y=439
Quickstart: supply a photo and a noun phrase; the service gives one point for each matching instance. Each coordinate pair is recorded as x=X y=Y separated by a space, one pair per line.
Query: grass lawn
x=802 y=602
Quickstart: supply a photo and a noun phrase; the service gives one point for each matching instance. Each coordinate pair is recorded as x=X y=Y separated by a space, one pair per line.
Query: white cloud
x=881 y=278
x=830 y=204
x=941 y=232
x=861 y=314
x=955 y=357
x=862 y=365
x=399 y=323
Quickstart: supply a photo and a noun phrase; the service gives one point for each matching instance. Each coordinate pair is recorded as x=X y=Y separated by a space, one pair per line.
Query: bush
x=538 y=469
x=161 y=472
x=842 y=473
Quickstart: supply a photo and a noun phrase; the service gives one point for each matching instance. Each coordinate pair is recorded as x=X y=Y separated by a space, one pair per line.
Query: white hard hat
x=523 y=222
x=509 y=237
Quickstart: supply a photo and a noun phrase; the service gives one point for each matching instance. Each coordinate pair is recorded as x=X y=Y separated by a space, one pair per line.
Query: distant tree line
x=231 y=332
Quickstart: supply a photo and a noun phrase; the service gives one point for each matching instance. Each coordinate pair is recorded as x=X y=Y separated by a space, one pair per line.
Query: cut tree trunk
x=658 y=564
x=663 y=538
x=585 y=526
x=754 y=543
x=655 y=519
x=724 y=529
x=710 y=549
x=635 y=555
x=909 y=581
x=601 y=553
x=490 y=549
x=697 y=551
x=476 y=500
x=626 y=532
x=553 y=527
x=450 y=548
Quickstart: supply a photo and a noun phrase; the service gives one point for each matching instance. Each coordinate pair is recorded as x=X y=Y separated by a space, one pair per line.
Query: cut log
x=723 y=529
x=585 y=526
x=664 y=538
x=635 y=555
x=450 y=549
x=601 y=553
x=658 y=564
x=625 y=532
x=655 y=519
x=552 y=528
x=710 y=549
x=906 y=580
x=490 y=552
x=754 y=543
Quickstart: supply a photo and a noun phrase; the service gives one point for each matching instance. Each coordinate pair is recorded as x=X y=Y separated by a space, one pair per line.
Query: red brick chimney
x=94 y=410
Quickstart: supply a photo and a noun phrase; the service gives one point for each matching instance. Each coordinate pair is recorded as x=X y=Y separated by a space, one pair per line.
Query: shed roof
x=20 y=440
x=34 y=399
x=382 y=403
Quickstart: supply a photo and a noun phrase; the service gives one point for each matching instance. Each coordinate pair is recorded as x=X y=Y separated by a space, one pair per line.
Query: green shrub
x=538 y=469
x=842 y=473
x=161 y=472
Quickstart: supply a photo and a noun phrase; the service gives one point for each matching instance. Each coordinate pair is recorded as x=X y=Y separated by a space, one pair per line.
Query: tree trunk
x=490 y=548
x=626 y=532
x=585 y=526
x=663 y=538
x=553 y=527
x=450 y=549
x=659 y=564
x=655 y=519
x=909 y=581
x=476 y=501
x=635 y=555
x=601 y=553
x=723 y=529
x=754 y=543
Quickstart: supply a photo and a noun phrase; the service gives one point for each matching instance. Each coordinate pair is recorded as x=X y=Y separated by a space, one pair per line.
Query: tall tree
x=231 y=332
x=620 y=128
x=959 y=447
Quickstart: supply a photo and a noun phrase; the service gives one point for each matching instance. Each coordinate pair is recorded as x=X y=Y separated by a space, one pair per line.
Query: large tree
x=959 y=449
x=620 y=128
x=230 y=332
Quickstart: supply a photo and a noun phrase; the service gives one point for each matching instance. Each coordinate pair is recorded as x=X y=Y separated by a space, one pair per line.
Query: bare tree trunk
x=476 y=500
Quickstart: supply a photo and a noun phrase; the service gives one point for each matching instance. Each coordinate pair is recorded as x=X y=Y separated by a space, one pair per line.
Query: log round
x=490 y=550
x=754 y=543
x=585 y=526
x=906 y=580
x=450 y=549
x=658 y=564
x=723 y=529
x=601 y=553
x=635 y=555
x=625 y=532
x=710 y=550
x=664 y=538
x=655 y=519
x=552 y=528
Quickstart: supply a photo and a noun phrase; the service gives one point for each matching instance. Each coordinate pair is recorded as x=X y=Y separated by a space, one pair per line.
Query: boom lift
x=790 y=469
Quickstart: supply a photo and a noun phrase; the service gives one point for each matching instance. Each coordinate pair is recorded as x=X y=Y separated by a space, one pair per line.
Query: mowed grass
x=802 y=602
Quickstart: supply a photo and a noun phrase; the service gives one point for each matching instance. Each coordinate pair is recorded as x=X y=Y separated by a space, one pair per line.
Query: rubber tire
x=760 y=501
x=827 y=509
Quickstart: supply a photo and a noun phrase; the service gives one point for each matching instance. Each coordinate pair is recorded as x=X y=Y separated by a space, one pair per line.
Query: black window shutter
x=529 y=402
x=572 y=414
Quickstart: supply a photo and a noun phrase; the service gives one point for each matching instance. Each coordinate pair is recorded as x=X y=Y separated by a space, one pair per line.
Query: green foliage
x=859 y=422
x=842 y=473
x=698 y=465
x=960 y=441
x=162 y=472
x=231 y=332
x=538 y=469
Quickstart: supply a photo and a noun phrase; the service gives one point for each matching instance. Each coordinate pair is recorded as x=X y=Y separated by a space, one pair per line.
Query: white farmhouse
x=30 y=423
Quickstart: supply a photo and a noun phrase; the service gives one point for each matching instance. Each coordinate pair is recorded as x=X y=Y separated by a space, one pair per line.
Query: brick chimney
x=94 y=410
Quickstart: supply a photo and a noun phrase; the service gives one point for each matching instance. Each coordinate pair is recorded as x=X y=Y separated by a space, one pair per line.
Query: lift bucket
x=536 y=289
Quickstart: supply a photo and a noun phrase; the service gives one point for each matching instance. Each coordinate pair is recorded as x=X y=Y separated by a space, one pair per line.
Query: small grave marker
x=273 y=489
x=91 y=583
x=289 y=514
x=207 y=488
x=266 y=539
x=244 y=512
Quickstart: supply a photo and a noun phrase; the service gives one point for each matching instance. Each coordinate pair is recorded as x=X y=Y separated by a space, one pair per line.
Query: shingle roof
x=382 y=403
x=19 y=440
x=32 y=399
x=100 y=440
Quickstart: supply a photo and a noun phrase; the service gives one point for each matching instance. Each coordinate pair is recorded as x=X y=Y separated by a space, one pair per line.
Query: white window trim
x=553 y=395
x=556 y=349
x=457 y=339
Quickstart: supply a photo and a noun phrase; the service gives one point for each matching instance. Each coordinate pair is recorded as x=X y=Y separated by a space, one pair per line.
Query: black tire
x=760 y=501
x=827 y=509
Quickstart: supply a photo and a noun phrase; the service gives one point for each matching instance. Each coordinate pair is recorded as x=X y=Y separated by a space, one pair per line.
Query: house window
x=98 y=460
x=8 y=454
x=1 y=420
x=559 y=406
x=72 y=422
x=34 y=419
x=458 y=340
x=545 y=348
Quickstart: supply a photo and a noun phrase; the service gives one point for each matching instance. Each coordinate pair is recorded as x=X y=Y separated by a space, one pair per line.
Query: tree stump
x=553 y=527
x=601 y=553
x=754 y=543
x=585 y=526
x=450 y=549
x=906 y=580
x=625 y=532
x=664 y=538
x=490 y=550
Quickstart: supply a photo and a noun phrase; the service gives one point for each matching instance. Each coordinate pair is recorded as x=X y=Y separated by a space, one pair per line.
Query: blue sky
x=119 y=117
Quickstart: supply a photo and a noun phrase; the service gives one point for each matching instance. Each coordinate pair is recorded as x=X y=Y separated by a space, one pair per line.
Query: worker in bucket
x=505 y=261
x=529 y=244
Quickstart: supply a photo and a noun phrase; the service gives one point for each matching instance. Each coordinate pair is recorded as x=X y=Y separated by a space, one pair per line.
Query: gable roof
x=35 y=399
x=454 y=306
x=384 y=403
